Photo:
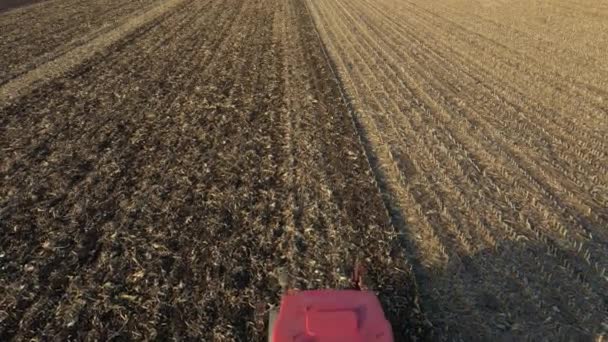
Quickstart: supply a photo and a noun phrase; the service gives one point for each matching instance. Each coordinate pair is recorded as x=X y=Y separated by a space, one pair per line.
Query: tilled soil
x=155 y=190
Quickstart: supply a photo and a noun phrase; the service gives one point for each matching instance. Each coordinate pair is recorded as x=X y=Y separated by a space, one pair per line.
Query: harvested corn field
x=40 y=33
x=164 y=163
x=154 y=190
x=489 y=124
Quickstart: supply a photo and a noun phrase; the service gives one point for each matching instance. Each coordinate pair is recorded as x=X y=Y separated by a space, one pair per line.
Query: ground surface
x=489 y=123
x=36 y=34
x=5 y=5
x=152 y=191
x=161 y=160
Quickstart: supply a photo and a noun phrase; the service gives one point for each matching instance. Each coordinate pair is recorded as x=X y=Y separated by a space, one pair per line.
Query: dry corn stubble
x=489 y=130
x=153 y=191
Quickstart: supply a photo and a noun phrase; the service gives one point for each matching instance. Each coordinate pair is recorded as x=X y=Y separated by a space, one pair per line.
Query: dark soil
x=154 y=192
x=44 y=32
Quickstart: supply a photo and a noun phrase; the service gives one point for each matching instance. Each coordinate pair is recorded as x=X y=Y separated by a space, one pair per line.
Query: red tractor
x=353 y=315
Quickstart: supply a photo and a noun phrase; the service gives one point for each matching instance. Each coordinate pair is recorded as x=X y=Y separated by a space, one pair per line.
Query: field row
x=182 y=169
x=497 y=163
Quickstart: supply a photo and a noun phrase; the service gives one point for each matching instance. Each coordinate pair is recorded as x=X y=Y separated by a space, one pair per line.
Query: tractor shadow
x=516 y=291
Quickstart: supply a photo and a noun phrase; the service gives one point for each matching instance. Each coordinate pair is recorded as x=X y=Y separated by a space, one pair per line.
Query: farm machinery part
x=351 y=315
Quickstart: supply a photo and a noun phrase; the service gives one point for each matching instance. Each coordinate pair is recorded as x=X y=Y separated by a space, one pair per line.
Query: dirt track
x=160 y=161
x=153 y=191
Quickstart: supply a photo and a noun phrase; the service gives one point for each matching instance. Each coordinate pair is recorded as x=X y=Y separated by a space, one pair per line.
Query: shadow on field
x=519 y=290
x=516 y=291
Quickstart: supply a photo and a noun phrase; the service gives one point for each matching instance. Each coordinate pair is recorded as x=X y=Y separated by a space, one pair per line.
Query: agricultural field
x=488 y=122
x=155 y=189
x=39 y=33
x=163 y=162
